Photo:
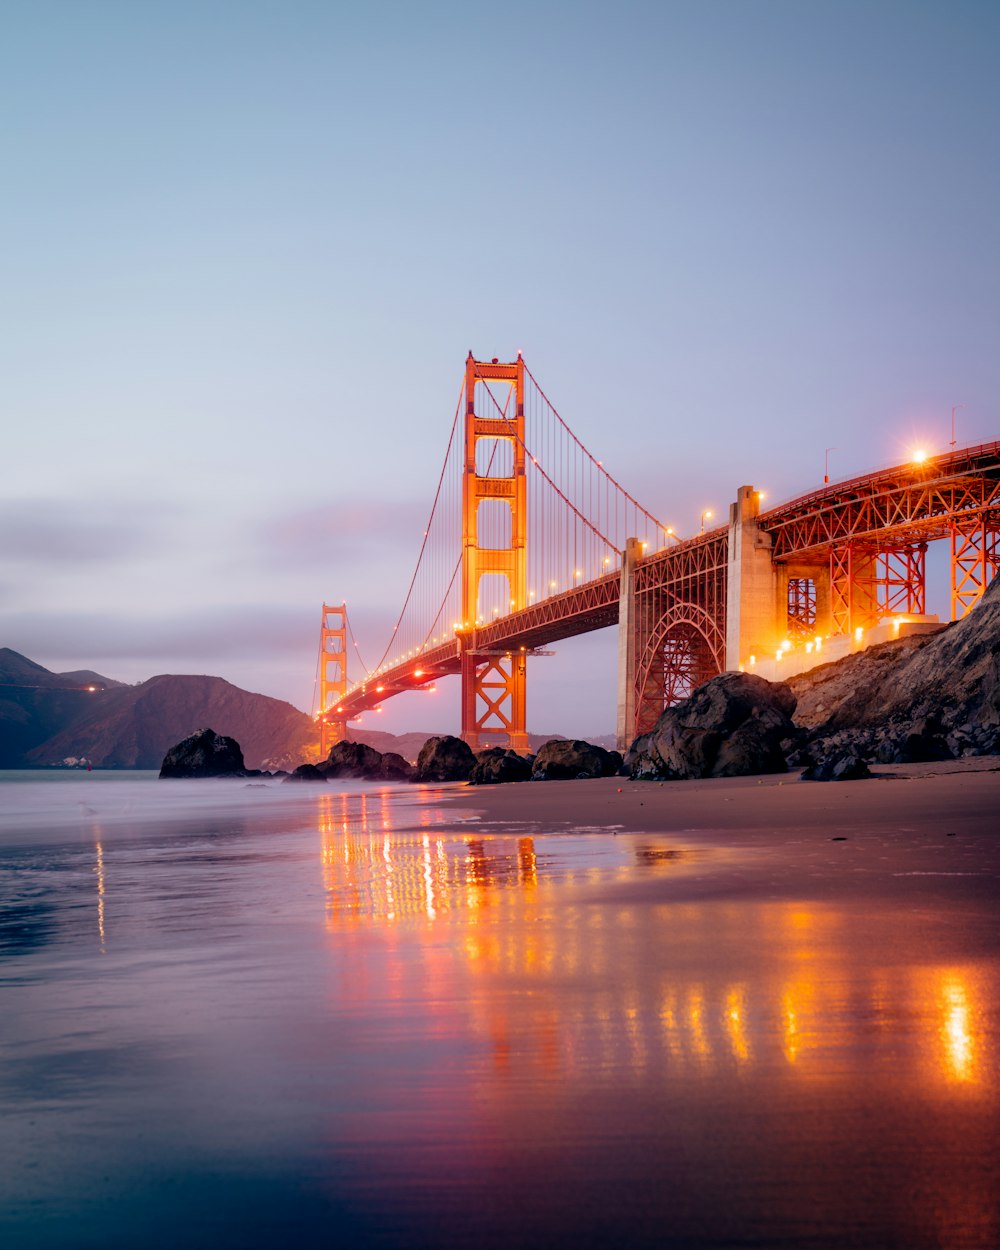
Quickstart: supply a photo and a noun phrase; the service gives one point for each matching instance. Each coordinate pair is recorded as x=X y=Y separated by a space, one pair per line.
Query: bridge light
x=379 y=689
x=577 y=574
x=340 y=709
x=762 y=494
x=859 y=633
x=644 y=546
x=418 y=672
x=753 y=661
x=919 y=455
x=607 y=561
x=552 y=585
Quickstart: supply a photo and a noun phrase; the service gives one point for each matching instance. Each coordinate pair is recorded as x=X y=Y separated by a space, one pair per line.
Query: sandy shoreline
x=948 y=797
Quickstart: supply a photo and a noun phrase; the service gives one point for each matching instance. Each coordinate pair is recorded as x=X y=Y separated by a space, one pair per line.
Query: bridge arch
x=686 y=647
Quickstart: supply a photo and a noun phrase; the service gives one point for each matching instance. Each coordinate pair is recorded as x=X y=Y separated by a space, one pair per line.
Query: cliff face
x=46 y=717
x=951 y=679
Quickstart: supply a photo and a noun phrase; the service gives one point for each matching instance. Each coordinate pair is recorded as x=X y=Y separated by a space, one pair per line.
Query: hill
x=47 y=717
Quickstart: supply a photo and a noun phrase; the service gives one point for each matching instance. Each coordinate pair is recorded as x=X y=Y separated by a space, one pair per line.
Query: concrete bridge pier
x=627 y=647
x=753 y=586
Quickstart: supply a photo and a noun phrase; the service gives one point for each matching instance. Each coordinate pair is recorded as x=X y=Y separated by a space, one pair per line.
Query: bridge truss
x=531 y=540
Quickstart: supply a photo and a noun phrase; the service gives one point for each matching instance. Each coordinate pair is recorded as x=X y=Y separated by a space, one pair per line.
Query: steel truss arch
x=685 y=649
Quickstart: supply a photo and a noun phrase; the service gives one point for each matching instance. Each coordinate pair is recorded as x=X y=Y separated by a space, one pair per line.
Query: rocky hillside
x=47 y=717
x=940 y=692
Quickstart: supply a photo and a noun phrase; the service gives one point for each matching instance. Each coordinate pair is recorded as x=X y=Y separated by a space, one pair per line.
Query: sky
x=247 y=246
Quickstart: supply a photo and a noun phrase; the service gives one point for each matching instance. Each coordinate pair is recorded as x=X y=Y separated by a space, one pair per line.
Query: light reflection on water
x=364 y=1018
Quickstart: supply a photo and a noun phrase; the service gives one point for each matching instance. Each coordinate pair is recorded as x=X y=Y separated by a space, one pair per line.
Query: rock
x=306 y=772
x=204 y=754
x=352 y=759
x=498 y=764
x=732 y=726
x=566 y=760
x=394 y=768
x=923 y=697
x=444 y=758
x=838 y=768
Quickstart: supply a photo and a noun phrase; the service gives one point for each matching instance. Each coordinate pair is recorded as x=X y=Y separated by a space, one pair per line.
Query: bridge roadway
x=689 y=582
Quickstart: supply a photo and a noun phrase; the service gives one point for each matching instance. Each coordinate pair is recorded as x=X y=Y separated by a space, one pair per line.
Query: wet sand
x=951 y=796
x=702 y=1015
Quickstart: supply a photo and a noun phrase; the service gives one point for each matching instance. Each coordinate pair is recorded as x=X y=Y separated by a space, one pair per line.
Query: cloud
x=308 y=537
x=60 y=533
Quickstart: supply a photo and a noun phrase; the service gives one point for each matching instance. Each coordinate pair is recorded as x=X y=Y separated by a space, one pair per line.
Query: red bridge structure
x=531 y=540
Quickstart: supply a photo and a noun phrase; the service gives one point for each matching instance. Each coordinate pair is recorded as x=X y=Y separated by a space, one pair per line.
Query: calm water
x=245 y=1016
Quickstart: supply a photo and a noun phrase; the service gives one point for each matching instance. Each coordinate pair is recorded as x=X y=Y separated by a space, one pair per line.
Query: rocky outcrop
x=205 y=754
x=306 y=772
x=844 y=767
x=351 y=759
x=732 y=726
x=919 y=699
x=394 y=768
x=496 y=765
x=568 y=759
x=444 y=758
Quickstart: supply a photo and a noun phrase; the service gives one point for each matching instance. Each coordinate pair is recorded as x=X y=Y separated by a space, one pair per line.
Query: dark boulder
x=567 y=759
x=498 y=764
x=352 y=759
x=204 y=754
x=732 y=726
x=306 y=772
x=444 y=758
x=394 y=768
x=838 y=768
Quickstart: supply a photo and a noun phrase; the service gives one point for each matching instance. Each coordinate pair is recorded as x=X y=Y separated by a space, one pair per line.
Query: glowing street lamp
x=705 y=516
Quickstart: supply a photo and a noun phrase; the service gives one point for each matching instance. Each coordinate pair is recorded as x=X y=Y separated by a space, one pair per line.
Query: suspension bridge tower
x=493 y=682
x=332 y=675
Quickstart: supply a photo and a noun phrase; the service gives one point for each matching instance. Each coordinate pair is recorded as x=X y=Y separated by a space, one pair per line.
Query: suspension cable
x=423 y=545
x=618 y=486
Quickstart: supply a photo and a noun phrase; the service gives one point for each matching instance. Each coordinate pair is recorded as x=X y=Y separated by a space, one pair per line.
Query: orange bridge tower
x=332 y=675
x=493 y=682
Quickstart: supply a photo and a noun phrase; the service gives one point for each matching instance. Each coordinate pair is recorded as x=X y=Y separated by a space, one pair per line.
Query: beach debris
x=732 y=726
x=206 y=754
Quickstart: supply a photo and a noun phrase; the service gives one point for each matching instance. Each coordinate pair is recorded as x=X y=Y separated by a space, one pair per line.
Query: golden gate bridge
x=530 y=540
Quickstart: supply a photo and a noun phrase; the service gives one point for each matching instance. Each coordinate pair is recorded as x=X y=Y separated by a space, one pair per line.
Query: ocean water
x=241 y=1014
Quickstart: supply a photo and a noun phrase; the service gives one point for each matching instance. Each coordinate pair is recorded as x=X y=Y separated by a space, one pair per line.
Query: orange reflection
x=99 y=869
x=956 y=1030
x=522 y=950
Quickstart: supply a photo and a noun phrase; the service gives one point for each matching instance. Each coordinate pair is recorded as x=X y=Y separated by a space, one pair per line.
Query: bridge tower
x=332 y=675
x=493 y=683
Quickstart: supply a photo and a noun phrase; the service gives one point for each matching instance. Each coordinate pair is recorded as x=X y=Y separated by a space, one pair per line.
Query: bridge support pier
x=755 y=621
x=627 y=647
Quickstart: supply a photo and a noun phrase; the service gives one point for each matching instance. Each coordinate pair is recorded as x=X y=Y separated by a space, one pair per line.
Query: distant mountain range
x=47 y=719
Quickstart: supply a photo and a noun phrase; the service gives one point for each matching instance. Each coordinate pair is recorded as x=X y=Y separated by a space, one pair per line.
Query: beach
x=746 y=1012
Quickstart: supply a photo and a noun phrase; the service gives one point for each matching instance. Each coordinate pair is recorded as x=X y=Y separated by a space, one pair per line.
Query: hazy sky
x=246 y=247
